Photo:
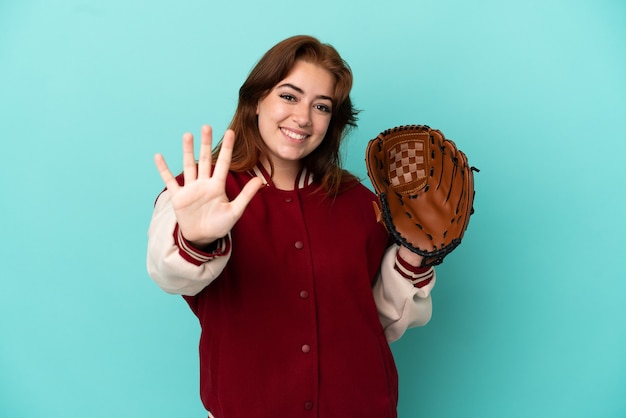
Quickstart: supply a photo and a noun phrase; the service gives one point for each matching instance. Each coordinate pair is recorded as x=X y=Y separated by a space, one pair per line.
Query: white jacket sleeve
x=173 y=264
x=403 y=298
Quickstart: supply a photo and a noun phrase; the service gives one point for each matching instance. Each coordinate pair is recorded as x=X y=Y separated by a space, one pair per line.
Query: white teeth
x=293 y=135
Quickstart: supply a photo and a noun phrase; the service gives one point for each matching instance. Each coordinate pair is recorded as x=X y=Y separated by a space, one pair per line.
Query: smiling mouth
x=293 y=135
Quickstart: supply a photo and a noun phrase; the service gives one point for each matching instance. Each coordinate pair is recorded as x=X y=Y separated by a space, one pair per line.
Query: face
x=294 y=116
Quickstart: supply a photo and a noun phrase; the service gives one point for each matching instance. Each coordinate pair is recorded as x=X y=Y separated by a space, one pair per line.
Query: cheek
x=322 y=125
x=269 y=110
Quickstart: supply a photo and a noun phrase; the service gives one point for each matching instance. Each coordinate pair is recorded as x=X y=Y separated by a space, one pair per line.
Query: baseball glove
x=425 y=189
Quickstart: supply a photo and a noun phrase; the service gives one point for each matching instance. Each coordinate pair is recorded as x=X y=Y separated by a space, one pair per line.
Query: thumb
x=240 y=203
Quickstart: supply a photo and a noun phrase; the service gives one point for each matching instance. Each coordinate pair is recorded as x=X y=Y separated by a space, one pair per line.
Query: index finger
x=223 y=159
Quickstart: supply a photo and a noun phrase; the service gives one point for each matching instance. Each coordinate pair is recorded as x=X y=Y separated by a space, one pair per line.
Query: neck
x=284 y=174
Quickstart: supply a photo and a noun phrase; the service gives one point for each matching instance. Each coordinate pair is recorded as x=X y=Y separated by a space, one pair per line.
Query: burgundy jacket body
x=290 y=327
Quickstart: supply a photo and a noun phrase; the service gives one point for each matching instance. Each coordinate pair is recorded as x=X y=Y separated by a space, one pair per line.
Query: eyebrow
x=299 y=90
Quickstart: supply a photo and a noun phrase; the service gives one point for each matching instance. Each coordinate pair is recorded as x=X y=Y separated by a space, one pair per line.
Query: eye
x=288 y=97
x=323 y=108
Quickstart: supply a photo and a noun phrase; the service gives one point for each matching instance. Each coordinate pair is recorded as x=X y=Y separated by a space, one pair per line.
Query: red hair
x=324 y=162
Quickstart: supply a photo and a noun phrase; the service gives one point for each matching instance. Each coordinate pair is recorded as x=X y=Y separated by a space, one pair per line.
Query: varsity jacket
x=296 y=305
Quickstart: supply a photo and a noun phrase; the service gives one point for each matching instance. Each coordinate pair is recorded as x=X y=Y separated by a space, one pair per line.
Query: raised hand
x=203 y=211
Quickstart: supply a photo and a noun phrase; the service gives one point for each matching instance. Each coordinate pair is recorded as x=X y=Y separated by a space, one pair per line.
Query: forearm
x=402 y=293
x=172 y=262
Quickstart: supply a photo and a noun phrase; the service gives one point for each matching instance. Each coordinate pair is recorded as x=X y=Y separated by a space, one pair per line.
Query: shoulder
x=355 y=188
x=361 y=201
x=359 y=198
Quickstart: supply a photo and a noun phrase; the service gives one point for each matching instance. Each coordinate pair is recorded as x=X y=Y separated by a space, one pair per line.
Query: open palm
x=203 y=211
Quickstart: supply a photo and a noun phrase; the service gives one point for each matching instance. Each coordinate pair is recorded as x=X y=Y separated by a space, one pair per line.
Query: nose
x=302 y=115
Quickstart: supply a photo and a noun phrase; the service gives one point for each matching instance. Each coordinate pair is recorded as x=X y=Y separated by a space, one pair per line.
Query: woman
x=278 y=252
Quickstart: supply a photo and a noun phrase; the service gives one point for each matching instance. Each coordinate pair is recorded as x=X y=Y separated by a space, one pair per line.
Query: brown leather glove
x=425 y=189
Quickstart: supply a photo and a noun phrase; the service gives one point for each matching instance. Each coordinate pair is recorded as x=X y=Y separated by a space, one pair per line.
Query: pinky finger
x=166 y=175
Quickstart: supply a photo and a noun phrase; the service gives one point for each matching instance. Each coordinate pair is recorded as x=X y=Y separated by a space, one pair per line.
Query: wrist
x=197 y=242
x=411 y=270
x=198 y=255
x=409 y=257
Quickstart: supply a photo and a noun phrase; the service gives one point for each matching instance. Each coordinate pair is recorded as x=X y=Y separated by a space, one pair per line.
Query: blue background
x=529 y=315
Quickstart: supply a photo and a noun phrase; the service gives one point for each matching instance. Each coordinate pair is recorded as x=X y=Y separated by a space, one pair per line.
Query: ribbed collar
x=303 y=179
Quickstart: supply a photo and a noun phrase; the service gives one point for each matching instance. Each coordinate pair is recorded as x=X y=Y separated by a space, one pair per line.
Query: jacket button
x=304 y=294
x=308 y=405
x=306 y=348
x=299 y=245
x=288 y=199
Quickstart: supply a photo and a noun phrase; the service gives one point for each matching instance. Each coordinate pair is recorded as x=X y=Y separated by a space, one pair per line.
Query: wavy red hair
x=324 y=162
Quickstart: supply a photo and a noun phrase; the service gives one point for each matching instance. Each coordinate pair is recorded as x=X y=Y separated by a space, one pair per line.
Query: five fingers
x=193 y=170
